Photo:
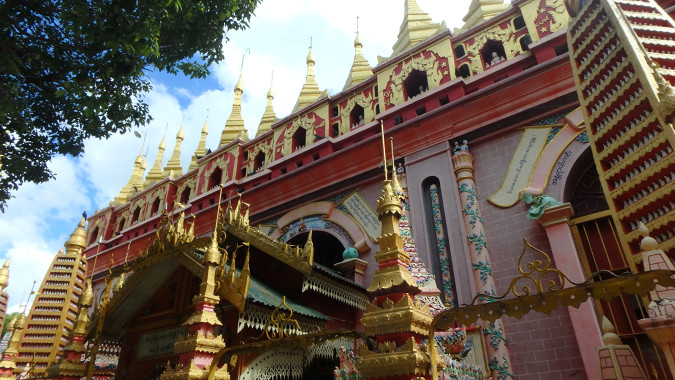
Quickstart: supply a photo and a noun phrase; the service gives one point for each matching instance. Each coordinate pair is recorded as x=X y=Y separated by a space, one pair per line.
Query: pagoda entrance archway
x=327 y=247
x=322 y=216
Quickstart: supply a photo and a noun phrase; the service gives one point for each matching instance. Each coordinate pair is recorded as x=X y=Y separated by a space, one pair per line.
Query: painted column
x=498 y=354
x=555 y=220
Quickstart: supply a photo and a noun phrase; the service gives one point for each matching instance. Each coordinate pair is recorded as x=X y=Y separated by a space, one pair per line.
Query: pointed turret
x=234 y=127
x=135 y=183
x=56 y=305
x=201 y=148
x=4 y=296
x=8 y=363
x=173 y=168
x=310 y=90
x=482 y=10
x=156 y=174
x=360 y=68
x=269 y=117
x=415 y=28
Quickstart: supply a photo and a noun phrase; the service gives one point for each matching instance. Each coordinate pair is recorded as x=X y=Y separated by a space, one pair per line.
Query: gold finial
x=310 y=89
x=384 y=151
x=4 y=275
x=78 y=239
x=609 y=336
x=395 y=185
x=648 y=243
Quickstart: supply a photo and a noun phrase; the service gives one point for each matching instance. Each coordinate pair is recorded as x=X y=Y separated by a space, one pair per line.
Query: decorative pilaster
x=660 y=325
x=555 y=219
x=199 y=347
x=498 y=354
x=8 y=363
x=70 y=366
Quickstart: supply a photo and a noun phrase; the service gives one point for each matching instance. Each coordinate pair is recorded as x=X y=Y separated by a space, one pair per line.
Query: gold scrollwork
x=280 y=324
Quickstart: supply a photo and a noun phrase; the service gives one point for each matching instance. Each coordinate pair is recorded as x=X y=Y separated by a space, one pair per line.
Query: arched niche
x=493 y=53
x=415 y=84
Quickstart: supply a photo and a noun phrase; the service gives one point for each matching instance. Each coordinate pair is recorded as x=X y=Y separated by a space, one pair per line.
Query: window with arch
x=459 y=51
x=493 y=53
x=185 y=195
x=464 y=70
x=415 y=84
x=525 y=42
x=136 y=215
x=299 y=139
x=120 y=225
x=215 y=178
x=519 y=22
x=259 y=161
x=357 y=116
x=94 y=235
x=155 y=206
x=438 y=239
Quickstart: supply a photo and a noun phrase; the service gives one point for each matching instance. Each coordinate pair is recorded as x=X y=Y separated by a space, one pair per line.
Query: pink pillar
x=498 y=354
x=584 y=319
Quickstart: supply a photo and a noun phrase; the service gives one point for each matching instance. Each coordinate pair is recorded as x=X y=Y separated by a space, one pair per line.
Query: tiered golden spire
x=482 y=10
x=310 y=90
x=4 y=275
x=416 y=27
x=135 y=183
x=201 y=148
x=234 y=127
x=360 y=68
x=155 y=174
x=269 y=117
x=8 y=363
x=55 y=309
x=173 y=167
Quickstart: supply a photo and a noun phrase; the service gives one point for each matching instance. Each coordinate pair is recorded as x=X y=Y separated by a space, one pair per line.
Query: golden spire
x=201 y=147
x=135 y=183
x=360 y=68
x=392 y=274
x=173 y=168
x=155 y=173
x=234 y=127
x=310 y=90
x=482 y=10
x=415 y=28
x=269 y=117
x=77 y=241
x=4 y=275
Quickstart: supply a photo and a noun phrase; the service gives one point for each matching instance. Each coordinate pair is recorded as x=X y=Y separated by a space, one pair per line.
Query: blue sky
x=41 y=217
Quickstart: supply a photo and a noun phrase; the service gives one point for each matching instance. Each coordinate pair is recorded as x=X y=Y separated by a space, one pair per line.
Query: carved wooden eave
x=298 y=258
x=407 y=360
x=231 y=285
x=404 y=316
x=335 y=290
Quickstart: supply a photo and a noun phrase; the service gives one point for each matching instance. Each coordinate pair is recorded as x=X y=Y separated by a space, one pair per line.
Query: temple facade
x=543 y=120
